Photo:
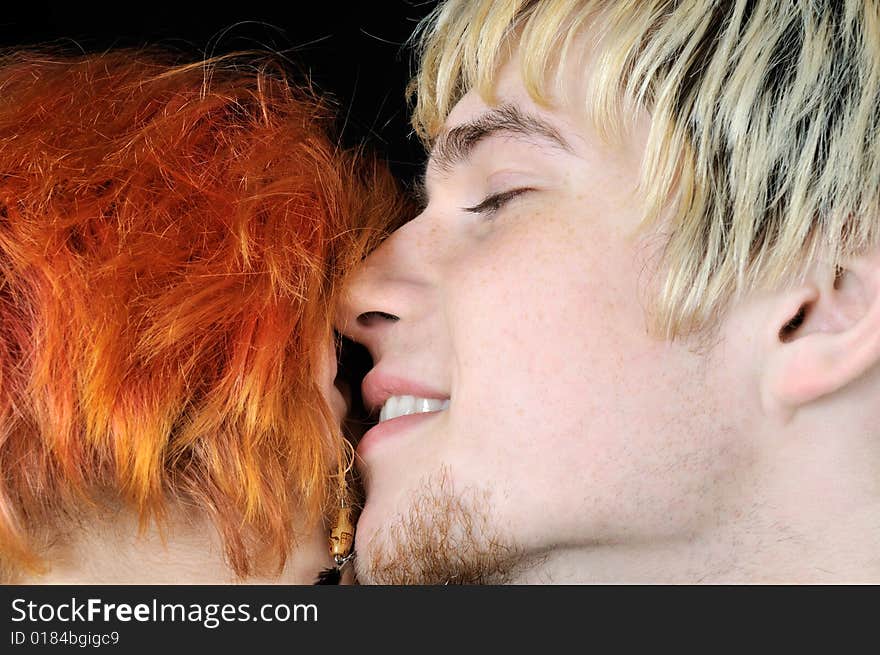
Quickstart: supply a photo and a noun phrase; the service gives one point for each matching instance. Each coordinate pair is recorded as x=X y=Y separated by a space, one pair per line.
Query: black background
x=354 y=51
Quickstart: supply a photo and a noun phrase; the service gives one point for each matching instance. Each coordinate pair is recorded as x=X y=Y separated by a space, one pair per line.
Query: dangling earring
x=342 y=532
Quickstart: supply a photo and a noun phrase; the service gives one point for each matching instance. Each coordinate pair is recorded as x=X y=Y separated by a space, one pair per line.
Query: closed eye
x=494 y=202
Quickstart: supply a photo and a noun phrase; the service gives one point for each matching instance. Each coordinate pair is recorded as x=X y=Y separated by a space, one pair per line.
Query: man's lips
x=378 y=386
x=390 y=429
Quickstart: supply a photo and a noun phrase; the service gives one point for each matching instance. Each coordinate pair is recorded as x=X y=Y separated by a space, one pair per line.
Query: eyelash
x=495 y=202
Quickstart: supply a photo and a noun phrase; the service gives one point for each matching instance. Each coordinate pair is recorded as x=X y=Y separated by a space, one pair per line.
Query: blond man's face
x=519 y=295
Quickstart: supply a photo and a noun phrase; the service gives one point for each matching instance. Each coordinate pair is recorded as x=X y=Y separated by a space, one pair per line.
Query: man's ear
x=825 y=335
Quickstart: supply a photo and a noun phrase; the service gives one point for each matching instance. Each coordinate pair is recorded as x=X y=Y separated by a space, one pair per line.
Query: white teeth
x=403 y=405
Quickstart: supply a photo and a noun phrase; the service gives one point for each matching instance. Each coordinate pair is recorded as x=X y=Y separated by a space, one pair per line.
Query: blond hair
x=764 y=148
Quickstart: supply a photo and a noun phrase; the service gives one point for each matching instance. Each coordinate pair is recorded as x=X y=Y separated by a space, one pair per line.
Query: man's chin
x=443 y=536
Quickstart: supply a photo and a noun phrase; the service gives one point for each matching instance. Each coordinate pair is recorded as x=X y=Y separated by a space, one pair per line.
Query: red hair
x=172 y=240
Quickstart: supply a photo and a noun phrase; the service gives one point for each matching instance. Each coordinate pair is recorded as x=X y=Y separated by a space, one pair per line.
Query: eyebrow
x=455 y=145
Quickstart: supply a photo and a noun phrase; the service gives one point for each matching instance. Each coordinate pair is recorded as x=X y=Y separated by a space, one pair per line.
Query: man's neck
x=810 y=518
x=791 y=559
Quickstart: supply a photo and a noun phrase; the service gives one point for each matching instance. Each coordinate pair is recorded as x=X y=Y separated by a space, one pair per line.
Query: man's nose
x=392 y=285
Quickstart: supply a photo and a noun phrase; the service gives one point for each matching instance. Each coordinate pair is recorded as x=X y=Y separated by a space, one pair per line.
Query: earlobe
x=782 y=342
x=827 y=336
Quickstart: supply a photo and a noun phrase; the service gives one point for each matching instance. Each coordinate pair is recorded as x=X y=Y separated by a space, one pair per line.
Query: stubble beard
x=443 y=537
